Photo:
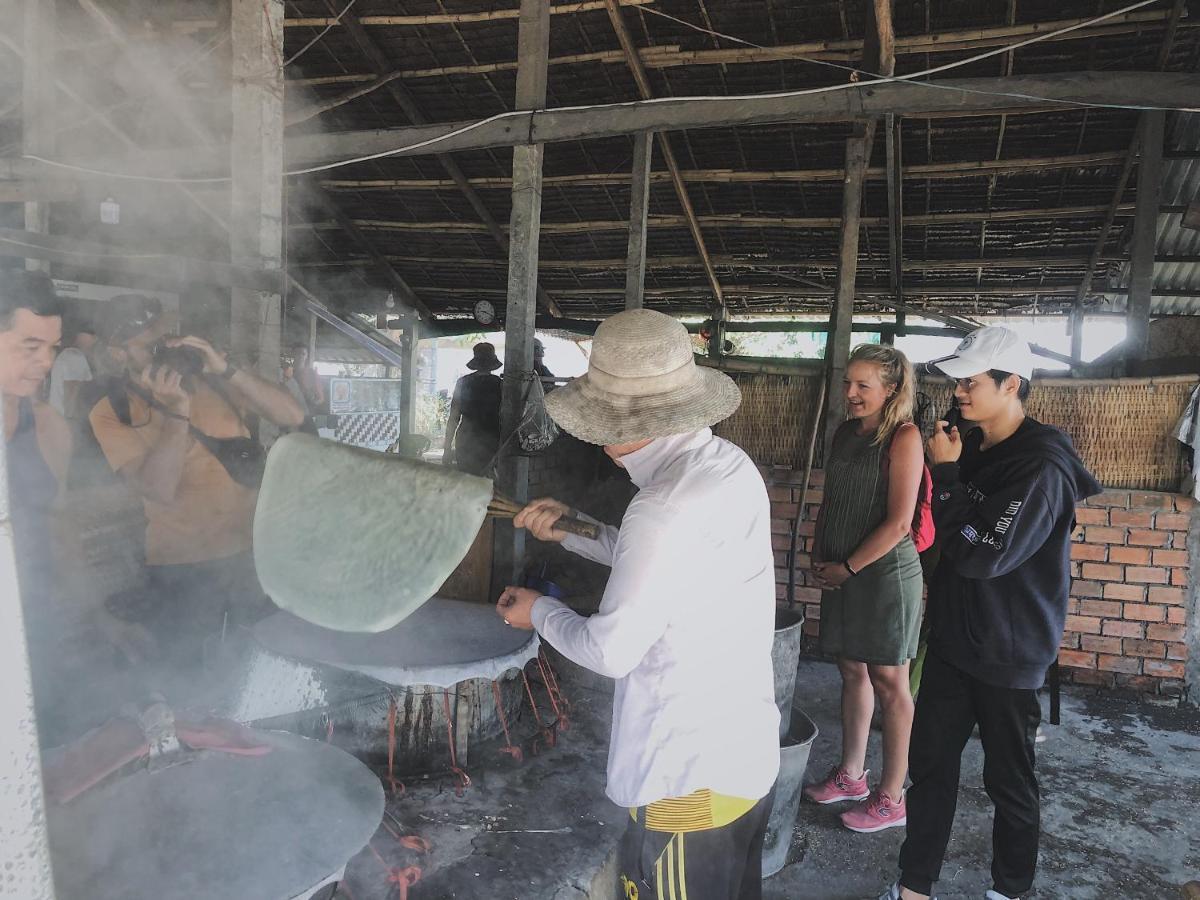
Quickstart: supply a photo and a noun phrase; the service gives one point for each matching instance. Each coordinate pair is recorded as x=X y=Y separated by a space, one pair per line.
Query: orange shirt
x=211 y=515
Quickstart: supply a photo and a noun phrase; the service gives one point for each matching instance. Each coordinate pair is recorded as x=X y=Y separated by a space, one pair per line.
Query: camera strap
x=210 y=443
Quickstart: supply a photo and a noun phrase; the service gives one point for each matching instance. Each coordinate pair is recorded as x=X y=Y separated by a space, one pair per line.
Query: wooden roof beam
x=389 y=21
x=935 y=99
x=968 y=96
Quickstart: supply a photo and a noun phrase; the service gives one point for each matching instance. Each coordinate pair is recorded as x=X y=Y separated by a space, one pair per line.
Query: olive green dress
x=875 y=617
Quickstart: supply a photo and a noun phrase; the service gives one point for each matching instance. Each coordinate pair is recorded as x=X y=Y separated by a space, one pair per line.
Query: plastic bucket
x=785 y=657
x=793 y=761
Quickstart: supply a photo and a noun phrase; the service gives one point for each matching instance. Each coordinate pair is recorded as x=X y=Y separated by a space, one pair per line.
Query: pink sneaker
x=878 y=812
x=838 y=786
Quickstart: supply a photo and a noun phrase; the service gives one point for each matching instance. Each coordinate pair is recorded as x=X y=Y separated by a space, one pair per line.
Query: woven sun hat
x=642 y=382
x=485 y=358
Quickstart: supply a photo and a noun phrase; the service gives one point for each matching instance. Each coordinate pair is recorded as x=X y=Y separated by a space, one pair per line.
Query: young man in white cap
x=1004 y=496
x=687 y=619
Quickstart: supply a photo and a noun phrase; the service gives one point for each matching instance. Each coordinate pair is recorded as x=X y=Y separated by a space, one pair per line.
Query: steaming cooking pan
x=355 y=540
x=271 y=827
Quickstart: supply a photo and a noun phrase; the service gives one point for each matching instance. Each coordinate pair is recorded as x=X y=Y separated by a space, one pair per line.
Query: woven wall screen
x=1121 y=427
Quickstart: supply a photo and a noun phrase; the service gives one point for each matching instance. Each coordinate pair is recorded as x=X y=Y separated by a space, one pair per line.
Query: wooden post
x=837 y=348
x=639 y=208
x=895 y=179
x=879 y=55
x=1145 y=232
x=408 y=374
x=256 y=158
x=1130 y=157
x=533 y=51
x=312 y=339
x=38 y=105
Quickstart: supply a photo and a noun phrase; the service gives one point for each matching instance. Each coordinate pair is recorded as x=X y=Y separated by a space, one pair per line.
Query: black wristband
x=848 y=569
x=230 y=371
x=174 y=415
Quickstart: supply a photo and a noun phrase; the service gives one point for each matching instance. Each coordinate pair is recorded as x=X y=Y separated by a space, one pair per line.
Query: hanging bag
x=537 y=430
x=242 y=457
x=922 y=529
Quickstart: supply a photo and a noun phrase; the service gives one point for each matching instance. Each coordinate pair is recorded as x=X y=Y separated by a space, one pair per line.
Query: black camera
x=184 y=360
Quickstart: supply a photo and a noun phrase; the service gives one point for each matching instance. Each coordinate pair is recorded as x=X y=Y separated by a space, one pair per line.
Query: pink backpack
x=922 y=530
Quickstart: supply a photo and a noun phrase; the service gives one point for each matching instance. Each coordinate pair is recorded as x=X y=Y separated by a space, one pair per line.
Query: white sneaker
x=995 y=895
x=893 y=893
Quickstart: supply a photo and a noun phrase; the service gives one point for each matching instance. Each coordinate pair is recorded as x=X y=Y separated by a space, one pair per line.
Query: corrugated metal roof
x=1181 y=186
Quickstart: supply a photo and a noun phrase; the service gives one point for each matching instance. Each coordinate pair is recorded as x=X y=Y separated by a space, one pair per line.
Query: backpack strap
x=117 y=390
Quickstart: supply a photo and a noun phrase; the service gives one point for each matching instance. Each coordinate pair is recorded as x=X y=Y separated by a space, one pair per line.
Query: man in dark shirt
x=1004 y=499
x=473 y=429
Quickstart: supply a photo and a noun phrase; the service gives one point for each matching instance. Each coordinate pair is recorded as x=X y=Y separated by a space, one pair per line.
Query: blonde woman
x=865 y=561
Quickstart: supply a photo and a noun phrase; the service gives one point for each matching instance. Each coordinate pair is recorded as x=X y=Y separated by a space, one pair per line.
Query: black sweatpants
x=715 y=864
x=949 y=705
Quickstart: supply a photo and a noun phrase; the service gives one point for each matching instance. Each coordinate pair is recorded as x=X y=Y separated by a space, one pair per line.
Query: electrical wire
x=87 y=253
x=851 y=85
x=299 y=53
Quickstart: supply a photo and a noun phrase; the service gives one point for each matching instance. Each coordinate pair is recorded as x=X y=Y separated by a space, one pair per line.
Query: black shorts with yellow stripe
x=704 y=846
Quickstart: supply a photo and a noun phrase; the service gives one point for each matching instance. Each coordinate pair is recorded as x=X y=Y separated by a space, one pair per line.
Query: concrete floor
x=1120 y=782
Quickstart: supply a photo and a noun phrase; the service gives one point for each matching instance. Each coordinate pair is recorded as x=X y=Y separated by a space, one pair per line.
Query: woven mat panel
x=775 y=420
x=1121 y=427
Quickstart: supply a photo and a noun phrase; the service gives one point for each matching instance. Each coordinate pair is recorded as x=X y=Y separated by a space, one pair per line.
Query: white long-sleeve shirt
x=685 y=625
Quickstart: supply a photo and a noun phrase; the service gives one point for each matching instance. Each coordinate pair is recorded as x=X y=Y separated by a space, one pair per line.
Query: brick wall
x=1127 y=614
x=785 y=489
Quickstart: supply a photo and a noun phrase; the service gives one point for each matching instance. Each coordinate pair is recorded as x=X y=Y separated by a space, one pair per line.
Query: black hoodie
x=1004 y=517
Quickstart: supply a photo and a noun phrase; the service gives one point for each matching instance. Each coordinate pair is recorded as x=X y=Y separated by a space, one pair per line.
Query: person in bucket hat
x=473 y=429
x=686 y=623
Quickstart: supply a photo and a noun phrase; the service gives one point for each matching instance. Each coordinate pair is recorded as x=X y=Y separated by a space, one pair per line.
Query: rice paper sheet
x=355 y=540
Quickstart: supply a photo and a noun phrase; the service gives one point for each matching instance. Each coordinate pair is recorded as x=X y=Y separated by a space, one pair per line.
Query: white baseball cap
x=992 y=347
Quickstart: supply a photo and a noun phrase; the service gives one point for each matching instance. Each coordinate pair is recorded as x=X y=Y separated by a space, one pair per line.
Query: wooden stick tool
x=503 y=508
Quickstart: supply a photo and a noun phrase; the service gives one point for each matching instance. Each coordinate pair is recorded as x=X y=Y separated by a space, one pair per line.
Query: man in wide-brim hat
x=686 y=623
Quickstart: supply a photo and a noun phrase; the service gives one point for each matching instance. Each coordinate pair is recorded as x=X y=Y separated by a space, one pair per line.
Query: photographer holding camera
x=174 y=426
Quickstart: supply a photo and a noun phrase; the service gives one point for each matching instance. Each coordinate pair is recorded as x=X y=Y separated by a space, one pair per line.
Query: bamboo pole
x=672 y=56
x=741 y=221
x=876 y=292
x=736 y=262
x=962 y=169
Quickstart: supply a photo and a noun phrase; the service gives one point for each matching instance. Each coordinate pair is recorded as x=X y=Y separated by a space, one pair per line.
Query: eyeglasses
x=967 y=384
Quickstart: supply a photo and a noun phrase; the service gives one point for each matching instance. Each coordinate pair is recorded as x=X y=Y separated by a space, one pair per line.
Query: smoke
x=143 y=87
